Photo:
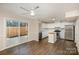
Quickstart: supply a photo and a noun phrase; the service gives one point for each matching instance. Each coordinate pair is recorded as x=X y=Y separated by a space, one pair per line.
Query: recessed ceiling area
x=46 y=11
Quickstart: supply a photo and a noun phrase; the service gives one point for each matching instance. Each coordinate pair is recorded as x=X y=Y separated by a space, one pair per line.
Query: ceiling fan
x=30 y=11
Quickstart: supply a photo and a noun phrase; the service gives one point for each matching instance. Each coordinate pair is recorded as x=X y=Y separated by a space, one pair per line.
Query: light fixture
x=32 y=13
x=53 y=19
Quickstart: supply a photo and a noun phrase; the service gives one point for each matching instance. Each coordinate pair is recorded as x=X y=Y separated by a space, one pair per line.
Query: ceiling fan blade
x=36 y=7
x=24 y=9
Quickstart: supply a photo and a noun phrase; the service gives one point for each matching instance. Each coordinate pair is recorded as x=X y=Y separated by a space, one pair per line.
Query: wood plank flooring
x=60 y=47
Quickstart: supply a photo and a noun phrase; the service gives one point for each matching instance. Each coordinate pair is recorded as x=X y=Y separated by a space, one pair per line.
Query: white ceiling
x=45 y=12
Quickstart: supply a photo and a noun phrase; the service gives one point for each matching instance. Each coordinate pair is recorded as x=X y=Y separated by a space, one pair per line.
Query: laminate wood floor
x=60 y=47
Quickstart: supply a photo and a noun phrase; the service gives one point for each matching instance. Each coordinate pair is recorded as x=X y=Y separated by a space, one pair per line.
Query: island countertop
x=51 y=33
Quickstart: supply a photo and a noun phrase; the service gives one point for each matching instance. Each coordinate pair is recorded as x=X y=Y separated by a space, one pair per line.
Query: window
x=14 y=29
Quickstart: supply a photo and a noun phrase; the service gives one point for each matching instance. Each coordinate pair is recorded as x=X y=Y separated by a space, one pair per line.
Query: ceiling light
x=53 y=19
x=32 y=13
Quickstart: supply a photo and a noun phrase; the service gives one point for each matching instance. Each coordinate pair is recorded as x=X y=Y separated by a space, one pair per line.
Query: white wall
x=77 y=33
x=72 y=13
x=2 y=34
x=33 y=28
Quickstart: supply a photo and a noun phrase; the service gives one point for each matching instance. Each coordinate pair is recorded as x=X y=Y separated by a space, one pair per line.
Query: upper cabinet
x=53 y=25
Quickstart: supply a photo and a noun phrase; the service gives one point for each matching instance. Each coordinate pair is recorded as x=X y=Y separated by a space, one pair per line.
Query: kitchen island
x=52 y=37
